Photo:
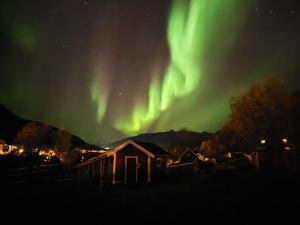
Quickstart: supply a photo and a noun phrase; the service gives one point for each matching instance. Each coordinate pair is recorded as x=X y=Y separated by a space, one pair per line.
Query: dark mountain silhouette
x=170 y=139
x=10 y=124
x=16 y=130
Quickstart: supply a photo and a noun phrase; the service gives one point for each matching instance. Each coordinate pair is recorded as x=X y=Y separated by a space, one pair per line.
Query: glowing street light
x=284 y=140
x=263 y=141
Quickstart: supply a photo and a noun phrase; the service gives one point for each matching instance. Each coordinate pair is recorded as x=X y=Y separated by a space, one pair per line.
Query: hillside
x=16 y=130
x=170 y=139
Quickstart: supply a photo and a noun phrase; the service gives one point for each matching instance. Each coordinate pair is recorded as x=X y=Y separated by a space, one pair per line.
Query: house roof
x=150 y=149
x=186 y=151
x=153 y=148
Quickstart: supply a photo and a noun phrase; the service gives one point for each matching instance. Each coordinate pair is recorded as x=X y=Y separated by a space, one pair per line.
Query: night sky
x=108 y=69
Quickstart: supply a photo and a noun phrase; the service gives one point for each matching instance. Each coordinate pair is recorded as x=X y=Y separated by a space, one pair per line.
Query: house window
x=158 y=162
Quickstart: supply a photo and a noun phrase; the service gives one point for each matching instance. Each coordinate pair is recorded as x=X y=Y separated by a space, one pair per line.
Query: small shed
x=129 y=163
x=189 y=162
x=237 y=160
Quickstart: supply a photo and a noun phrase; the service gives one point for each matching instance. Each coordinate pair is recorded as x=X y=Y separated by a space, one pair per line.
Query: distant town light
x=41 y=153
x=263 y=141
x=284 y=140
x=170 y=162
x=229 y=155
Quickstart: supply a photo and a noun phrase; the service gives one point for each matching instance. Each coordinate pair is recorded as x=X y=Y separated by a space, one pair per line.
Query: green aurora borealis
x=108 y=69
x=191 y=27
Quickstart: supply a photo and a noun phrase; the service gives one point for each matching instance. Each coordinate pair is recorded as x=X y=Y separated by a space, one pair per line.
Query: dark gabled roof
x=149 y=148
x=153 y=148
x=186 y=151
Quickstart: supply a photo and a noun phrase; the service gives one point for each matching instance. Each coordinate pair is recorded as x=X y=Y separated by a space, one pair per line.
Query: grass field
x=227 y=195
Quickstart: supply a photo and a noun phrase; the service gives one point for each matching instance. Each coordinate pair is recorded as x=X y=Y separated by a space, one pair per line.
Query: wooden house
x=189 y=162
x=237 y=160
x=129 y=163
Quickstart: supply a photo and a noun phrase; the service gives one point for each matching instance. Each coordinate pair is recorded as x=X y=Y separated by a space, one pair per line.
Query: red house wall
x=130 y=150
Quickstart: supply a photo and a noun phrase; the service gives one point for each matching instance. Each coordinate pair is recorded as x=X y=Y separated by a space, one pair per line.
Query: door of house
x=131 y=169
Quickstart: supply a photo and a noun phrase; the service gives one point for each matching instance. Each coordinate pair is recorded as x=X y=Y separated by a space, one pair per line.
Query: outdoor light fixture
x=229 y=155
x=284 y=140
x=263 y=141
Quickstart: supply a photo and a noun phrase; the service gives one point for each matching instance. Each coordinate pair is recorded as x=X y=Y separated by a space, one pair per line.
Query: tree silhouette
x=36 y=135
x=63 y=142
x=262 y=112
